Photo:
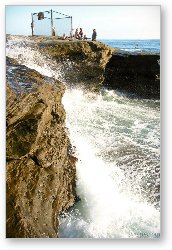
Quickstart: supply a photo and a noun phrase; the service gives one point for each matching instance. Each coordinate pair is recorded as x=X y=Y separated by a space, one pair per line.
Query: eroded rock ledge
x=135 y=73
x=80 y=63
x=83 y=61
x=40 y=167
x=92 y=65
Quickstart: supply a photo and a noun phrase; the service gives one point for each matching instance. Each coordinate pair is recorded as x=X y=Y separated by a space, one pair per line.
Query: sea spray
x=112 y=204
x=27 y=53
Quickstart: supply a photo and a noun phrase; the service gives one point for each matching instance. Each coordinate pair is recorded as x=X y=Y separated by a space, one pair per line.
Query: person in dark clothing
x=76 y=34
x=94 y=35
x=80 y=34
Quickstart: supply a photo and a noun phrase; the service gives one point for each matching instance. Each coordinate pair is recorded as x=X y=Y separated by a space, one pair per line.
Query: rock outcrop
x=40 y=164
x=134 y=73
x=82 y=62
x=40 y=168
x=91 y=65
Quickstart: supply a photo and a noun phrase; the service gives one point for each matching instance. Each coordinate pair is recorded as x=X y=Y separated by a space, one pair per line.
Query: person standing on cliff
x=76 y=34
x=80 y=34
x=94 y=35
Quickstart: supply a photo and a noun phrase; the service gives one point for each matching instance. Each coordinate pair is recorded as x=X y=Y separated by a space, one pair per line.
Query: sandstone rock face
x=134 y=73
x=83 y=62
x=40 y=164
x=40 y=168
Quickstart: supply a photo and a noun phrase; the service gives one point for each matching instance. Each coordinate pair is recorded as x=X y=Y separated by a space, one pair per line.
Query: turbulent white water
x=117 y=149
x=117 y=143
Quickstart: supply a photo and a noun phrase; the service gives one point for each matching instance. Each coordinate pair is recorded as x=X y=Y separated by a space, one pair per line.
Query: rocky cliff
x=92 y=65
x=134 y=73
x=40 y=164
x=82 y=63
x=40 y=168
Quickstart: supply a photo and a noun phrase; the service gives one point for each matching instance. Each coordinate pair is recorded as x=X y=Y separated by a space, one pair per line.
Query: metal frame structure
x=51 y=18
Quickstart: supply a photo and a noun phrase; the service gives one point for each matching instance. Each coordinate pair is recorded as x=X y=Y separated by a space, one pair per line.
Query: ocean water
x=137 y=46
x=118 y=149
x=116 y=138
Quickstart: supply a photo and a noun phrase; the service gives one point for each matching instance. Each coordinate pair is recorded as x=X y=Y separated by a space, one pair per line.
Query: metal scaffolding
x=51 y=23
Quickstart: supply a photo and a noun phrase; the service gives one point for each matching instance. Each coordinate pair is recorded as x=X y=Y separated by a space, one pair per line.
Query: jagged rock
x=40 y=167
x=83 y=62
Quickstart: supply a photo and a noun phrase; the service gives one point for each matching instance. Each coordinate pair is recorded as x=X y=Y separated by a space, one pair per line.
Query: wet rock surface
x=83 y=61
x=40 y=168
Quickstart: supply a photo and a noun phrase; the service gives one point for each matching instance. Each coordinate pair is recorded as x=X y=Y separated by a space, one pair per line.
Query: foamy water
x=112 y=203
x=117 y=143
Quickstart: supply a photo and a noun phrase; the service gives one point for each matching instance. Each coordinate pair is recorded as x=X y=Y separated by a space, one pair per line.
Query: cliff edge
x=40 y=168
x=134 y=73
x=82 y=63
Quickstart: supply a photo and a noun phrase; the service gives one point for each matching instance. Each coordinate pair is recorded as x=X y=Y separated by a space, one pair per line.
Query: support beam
x=32 y=25
x=52 y=28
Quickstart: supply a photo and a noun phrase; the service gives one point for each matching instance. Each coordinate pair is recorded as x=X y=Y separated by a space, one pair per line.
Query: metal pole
x=71 y=27
x=52 y=23
x=32 y=25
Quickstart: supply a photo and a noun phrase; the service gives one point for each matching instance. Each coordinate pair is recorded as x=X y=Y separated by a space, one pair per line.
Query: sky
x=111 y=22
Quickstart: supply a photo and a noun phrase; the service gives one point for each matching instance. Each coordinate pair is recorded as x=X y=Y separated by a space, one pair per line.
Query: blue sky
x=118 y=22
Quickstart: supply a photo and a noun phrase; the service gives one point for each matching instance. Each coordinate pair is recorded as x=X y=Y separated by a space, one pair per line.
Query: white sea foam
x=111 y=206
x=107 y=211
x=27 y=54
